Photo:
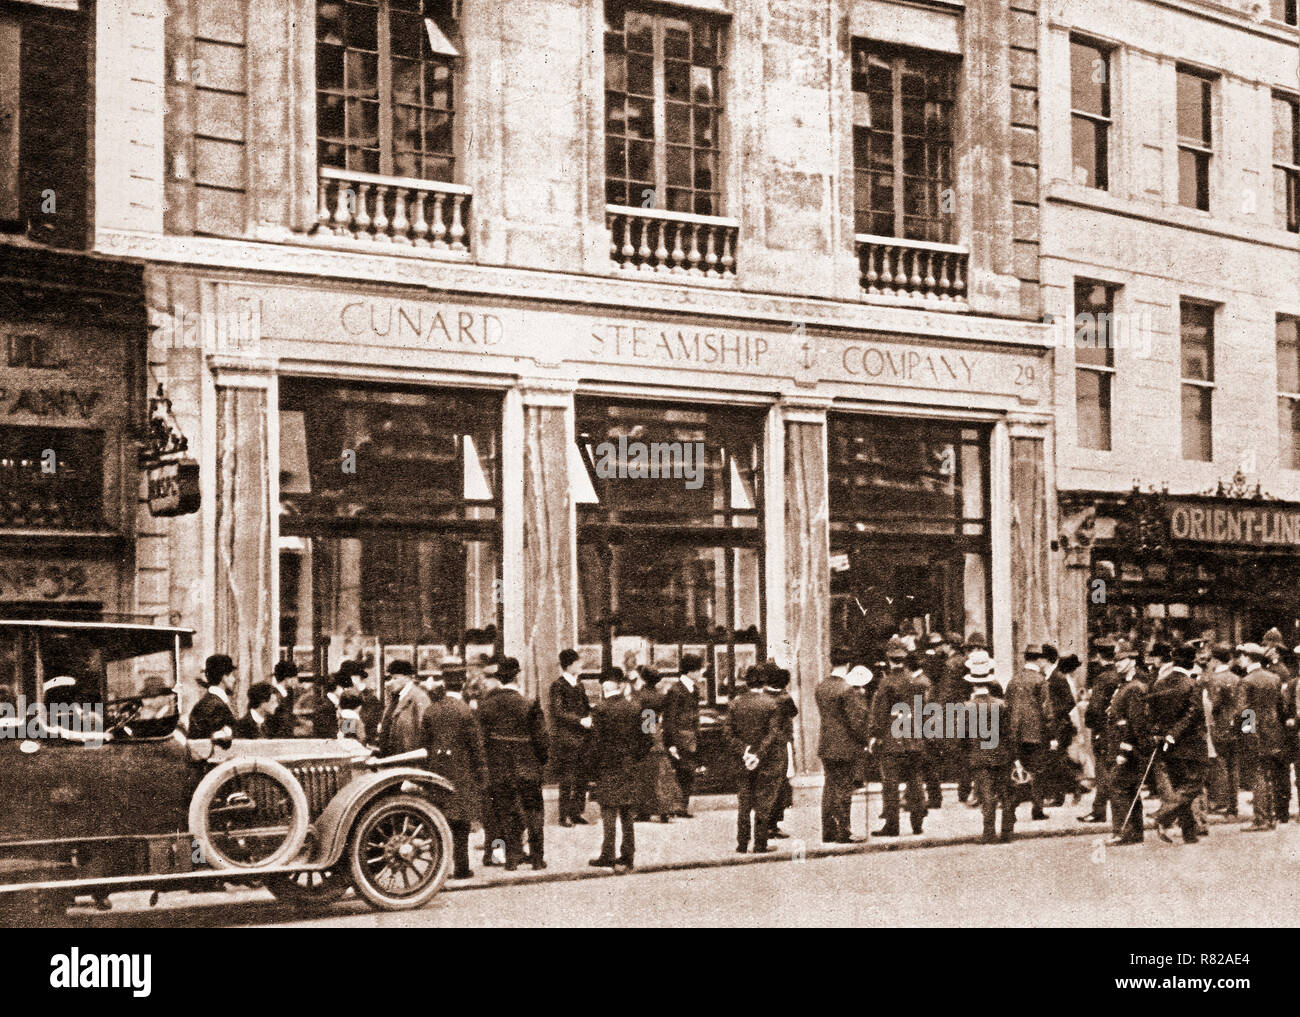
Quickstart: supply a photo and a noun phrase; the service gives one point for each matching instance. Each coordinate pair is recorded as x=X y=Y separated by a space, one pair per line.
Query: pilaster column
x=800 y=573
x=544 y=587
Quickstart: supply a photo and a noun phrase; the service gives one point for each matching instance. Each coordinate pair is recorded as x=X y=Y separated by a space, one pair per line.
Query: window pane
x=1094 y=323
x=1089 y=79
x=640 y=74
x=1288 y=355
x=1197 y=423
x=1286 y=131
x=1089 y=144
x=1194 y=179
x=362 y=26
x=1197 y=324
x=361 y=73
x=1194 y=121
x=1286 y=198
x=1288 y=433
x=1092 y=408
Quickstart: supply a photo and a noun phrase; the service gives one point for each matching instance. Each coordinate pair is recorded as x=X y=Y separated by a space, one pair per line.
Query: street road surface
x=1230 y=879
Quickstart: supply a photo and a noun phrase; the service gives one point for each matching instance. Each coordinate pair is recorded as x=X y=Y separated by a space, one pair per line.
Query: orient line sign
x=1259 y=525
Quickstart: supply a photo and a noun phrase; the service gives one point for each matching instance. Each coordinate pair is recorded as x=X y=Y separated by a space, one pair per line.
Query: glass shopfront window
x=670 y=537
x=909 y=529
x=390 y=525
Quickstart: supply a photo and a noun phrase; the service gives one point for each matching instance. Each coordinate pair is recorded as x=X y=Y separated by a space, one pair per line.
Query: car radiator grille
x=321 y=782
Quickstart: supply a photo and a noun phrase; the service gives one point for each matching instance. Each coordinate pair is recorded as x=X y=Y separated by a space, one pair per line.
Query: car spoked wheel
x=400 y=852
x=314 y=887
x=249 y=814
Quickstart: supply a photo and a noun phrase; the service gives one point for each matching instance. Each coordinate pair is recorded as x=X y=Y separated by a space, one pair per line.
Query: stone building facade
x=411 y=263
x=1171 y=162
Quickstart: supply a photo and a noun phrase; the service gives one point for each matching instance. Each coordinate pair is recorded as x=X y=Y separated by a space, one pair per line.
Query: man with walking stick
x=1129 y=734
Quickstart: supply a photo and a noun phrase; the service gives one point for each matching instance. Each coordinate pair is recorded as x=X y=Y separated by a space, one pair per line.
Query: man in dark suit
x=1104 y=683
x=570 y=733
x=284 y=682
x=990 y=758
x=1028 y=721
x=402 y=724
x=682 y=725
x=1060 y=773
x=1128 y=739
x=1263 y=732
x=753 y=730
x=370 y=709
x=258 y=722
x=843 y=708
x=1225 y=729
x=325 y=717
x=776 y=683
x=455 y=746
x=514 y=737
x=212 y=716
x=1274 y=662
x=899 y=752
x=1178 y=725
x=621 y=743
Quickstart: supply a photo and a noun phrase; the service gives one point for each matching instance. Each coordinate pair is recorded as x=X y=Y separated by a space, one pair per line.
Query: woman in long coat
x=659 y=794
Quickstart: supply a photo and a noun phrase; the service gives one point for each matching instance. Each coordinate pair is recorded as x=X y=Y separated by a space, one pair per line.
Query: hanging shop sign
x=174 y=488
x=173 y=479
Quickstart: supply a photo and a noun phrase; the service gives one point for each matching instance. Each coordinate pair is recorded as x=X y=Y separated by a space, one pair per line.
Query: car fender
x=335 y=822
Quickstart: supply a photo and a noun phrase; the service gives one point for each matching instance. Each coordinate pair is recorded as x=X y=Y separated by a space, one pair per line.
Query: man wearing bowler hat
x=401 y=725
x=621 y=742
x=517 y=747
x=455 y=746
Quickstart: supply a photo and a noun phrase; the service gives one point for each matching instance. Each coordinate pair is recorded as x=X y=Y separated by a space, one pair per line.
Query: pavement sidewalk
x=709 y=839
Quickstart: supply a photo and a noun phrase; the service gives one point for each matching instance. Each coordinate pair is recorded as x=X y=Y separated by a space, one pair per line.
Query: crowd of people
x=1184 y=721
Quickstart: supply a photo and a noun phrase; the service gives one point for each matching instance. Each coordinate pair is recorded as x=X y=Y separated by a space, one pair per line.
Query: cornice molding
x=239 y=259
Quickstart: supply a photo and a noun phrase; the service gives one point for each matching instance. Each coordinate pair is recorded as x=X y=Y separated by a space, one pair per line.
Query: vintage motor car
x=101 y=792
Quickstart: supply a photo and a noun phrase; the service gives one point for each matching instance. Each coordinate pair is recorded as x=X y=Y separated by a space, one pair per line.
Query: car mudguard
x=334 y=823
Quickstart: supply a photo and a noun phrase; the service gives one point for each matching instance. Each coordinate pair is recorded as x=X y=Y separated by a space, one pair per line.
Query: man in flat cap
x=1222 y=686
x=1128 y=748
x=517 y=747
x=899 y=753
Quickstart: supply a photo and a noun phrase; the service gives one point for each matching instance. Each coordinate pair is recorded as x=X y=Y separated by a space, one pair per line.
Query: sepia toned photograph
x=651 y=464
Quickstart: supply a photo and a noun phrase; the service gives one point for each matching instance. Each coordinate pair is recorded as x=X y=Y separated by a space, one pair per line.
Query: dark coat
x=210 y=715
x=514 y=736
x=681 y=717
x=370 y=712
x=568 y=706
x=1261 y=693
x=1027 y=708
x=402 y=726
x=456 y=752
x=754 y=722
x=247 y=727
x=845 y=720
x=1104 y=684
x=1129 y=724
x=1177 y=712
x=897 y=686
x=996 y=756
x=1224 y=686
x=282 y=721
x=1060 y=703
x=325 y=718
x=621 y=742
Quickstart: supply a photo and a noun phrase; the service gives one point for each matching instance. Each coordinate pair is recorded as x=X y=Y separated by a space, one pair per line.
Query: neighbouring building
x=72 y=344
x=415 y=267
x=1171 y=263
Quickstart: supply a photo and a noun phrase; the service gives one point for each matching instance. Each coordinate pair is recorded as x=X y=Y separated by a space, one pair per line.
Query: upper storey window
x=385 y=87
x=903 y=142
